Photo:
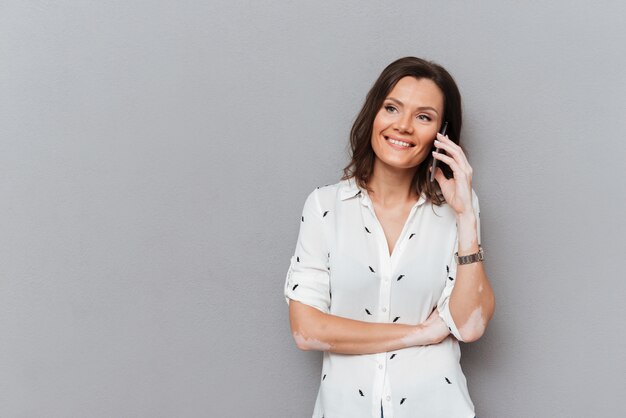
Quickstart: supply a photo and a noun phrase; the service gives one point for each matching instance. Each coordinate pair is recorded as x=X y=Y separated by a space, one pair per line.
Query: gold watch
x=470 y=258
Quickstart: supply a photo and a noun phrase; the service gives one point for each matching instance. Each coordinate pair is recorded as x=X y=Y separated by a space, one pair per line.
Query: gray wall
x=155 y=157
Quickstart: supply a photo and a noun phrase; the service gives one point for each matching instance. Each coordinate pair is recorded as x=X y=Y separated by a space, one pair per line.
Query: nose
x=403 y=123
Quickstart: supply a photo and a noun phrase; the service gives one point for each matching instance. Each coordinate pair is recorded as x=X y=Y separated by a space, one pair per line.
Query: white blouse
x=342 y=266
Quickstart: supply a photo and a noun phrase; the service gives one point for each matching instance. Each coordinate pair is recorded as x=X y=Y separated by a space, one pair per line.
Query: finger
x=446 y=140
x=451 y=163
x=453 y=149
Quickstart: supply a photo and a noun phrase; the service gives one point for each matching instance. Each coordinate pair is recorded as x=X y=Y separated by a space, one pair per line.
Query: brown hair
x=362 y=155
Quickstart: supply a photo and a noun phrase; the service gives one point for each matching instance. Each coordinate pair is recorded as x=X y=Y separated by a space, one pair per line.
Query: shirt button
x=388 y=398
x=384 y=309
x=380 y=366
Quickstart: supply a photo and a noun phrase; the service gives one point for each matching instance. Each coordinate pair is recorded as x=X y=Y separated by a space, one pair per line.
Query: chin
x=408 y=165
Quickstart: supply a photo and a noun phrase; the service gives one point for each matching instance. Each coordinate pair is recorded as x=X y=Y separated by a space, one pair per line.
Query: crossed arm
x=471 y=302
x=471 y=305
x=316 y=330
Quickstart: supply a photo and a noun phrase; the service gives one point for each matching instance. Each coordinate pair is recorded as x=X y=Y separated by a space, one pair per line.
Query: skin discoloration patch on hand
x=413 y=338
x=431 y=331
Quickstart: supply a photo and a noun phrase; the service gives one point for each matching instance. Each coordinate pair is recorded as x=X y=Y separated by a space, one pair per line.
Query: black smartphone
x=442 y=132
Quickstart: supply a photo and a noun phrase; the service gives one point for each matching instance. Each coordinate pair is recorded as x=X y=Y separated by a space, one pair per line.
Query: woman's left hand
x=456 y=190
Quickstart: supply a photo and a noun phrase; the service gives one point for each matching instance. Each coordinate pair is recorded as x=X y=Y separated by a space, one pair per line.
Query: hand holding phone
x=442 y=132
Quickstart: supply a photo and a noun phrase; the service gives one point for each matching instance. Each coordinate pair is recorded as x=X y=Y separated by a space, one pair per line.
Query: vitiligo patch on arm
x=310 y=343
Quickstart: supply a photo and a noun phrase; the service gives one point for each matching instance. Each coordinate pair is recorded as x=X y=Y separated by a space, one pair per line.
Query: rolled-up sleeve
x=443 y=305
x=308 y=277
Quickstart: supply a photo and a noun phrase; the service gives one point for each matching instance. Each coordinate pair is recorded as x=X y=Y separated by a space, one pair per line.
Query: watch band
x=470 y=258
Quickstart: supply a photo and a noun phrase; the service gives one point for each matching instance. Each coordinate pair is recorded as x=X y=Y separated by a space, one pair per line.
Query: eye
x=387 y=107
x=425 y=117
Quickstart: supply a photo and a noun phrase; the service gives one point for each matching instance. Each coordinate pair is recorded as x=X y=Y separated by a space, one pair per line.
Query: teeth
x=402 y=144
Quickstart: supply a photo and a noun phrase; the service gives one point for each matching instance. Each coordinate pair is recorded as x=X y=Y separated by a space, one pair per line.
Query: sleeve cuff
x=312 y=291
x=446 y=316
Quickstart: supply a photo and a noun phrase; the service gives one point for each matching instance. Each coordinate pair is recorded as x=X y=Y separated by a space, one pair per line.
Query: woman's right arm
x=316 y=330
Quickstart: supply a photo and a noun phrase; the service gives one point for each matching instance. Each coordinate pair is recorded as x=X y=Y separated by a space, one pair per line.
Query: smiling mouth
x=398 y=143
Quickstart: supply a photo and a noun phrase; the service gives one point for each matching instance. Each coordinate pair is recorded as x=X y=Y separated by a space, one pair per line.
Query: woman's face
x=411 y=113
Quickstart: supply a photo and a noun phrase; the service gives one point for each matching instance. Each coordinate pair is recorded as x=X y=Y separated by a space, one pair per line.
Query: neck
x=391 y=186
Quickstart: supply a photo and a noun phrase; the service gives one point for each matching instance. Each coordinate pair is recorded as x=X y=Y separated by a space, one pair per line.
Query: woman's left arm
x=472 y=302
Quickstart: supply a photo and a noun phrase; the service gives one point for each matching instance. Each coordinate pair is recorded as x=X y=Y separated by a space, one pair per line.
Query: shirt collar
x=350 y=189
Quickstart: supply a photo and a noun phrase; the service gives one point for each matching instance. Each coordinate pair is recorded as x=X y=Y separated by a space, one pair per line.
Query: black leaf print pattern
x=302 y=218
x=396 y=318
x=392 y=356
x=368 y=312
x=399 y=277
x=447 y=269
x=298 y=259
x=361 y=392
x=402 y=401
x=324 y=377
x=411 y=236
x=450 y=329
x=448 y=380
x=450 y=278
x=294 y=288
x=324 y=214
x=359 y=193
x=371 y=269
x=368 y=231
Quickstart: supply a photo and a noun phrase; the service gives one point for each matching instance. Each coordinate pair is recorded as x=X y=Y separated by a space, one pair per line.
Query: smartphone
x=442 y=132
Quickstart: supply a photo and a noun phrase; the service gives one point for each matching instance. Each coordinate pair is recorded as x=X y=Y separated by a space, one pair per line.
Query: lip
x=398 y=139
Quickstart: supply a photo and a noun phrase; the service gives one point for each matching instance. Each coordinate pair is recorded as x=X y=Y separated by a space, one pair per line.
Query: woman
x=375 y=282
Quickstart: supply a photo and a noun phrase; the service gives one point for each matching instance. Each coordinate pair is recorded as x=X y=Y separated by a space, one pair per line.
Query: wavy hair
x=362 y=155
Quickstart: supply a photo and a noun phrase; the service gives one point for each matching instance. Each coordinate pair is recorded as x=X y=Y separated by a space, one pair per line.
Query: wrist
x=417 y=335
x=428 y=333
x=467 y=234
x=466 y=218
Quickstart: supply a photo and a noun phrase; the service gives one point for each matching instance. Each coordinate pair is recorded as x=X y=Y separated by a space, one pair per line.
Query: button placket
x=380 y=386
x=384 y=261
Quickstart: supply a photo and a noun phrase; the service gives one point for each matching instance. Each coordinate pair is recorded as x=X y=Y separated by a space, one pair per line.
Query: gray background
x=155 y=158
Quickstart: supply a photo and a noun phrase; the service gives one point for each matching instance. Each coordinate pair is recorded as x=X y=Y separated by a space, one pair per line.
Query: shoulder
x=328 y=194
x=323 y=197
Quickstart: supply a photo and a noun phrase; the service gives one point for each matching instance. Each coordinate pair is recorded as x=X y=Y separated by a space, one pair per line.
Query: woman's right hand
x=431 y=331
x=435 y=328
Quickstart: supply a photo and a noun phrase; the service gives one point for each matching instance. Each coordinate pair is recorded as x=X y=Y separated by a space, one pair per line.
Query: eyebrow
x=419 y=108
